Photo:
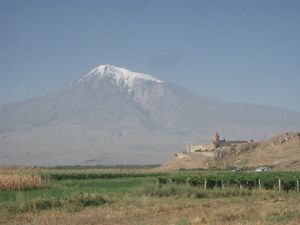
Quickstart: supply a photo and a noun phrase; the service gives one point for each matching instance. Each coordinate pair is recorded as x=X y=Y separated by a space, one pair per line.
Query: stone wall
x=198 y=148
x=230 y=143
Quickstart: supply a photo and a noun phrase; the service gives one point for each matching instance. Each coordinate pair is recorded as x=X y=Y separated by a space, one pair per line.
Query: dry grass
x=259 y=209
x=19 y=182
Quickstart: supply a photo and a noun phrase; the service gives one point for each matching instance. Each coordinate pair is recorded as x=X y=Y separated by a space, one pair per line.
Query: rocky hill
x=281 y=152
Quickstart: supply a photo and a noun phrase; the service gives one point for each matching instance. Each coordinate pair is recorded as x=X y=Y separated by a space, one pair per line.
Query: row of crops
x=271 y=180
x=94 y=175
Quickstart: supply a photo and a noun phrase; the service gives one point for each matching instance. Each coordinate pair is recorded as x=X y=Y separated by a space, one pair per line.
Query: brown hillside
x=281 y=152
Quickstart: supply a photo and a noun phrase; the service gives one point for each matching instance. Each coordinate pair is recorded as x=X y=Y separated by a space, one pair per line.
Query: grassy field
x=134 y=196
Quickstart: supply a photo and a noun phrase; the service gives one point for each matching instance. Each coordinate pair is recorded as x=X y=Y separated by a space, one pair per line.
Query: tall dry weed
x=19 y=182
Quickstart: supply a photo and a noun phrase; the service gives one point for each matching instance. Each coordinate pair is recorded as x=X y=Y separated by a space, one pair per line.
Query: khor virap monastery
x=214 y=146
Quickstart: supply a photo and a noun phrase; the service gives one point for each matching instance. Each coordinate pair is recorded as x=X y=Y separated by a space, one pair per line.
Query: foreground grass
x=256 y=208
x=142 y=200
x=67 y=193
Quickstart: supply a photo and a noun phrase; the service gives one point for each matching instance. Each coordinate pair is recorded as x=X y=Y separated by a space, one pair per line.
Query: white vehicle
x=262 y=169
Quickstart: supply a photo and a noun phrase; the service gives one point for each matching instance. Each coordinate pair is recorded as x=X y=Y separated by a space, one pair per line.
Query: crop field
x=141 y=196
x=19 y=182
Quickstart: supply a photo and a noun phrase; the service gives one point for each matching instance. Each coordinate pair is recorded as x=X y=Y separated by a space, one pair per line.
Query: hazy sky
x=237 y=51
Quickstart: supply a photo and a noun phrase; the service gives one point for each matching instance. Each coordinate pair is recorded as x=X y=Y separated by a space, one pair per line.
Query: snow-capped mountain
x=118 y=76
x=114 y=116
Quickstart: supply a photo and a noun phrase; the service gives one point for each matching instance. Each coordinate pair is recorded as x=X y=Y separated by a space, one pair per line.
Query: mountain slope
x=114 y=116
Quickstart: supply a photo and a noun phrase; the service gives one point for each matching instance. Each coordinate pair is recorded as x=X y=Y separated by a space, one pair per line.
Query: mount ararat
x=115 y=116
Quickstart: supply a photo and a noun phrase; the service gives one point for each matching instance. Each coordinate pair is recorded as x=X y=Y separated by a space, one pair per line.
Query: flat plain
x=141 y=196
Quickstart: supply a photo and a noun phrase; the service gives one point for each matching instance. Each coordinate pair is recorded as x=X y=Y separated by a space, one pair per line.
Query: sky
x=234 y=51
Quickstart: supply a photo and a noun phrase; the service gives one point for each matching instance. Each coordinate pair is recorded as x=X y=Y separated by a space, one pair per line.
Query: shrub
x=288 y=185
x=269 y=183
x=88 y=199
x=201 y=195
x=160 y=190
x=179 y=179
x=195 y=181
x=162 y=180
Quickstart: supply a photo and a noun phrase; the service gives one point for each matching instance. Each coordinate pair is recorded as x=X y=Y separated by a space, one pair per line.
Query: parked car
x=262 y=169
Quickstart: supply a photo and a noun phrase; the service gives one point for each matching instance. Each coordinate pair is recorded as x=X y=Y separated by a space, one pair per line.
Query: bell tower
x=216 y=138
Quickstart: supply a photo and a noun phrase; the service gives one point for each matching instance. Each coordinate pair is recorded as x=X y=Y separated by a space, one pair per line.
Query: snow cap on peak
x=119 y=73
x=101 y=69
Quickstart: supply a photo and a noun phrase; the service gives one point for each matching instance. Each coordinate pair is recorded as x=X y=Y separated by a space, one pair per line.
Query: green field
x=114 y=196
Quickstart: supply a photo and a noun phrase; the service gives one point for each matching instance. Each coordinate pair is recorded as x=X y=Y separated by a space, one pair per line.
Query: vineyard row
x=277 y=181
